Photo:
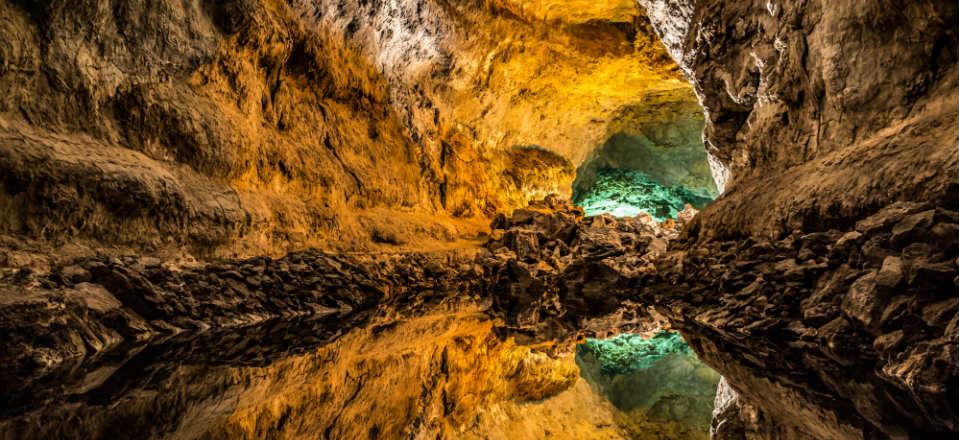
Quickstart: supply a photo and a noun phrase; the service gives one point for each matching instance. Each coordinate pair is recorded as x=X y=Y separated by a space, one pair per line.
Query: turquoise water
x=626 y=193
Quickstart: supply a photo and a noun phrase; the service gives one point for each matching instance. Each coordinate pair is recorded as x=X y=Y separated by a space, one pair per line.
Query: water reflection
x=152 y=389
x=662 y=388
x=443 y=375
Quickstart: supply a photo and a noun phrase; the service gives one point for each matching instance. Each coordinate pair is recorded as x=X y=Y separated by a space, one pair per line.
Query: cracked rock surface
x=822 y=283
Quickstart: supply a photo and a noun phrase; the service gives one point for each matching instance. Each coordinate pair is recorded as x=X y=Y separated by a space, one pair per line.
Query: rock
x=936 y=276
x=912 y=228
x=95 y=297
x=524 y=243
x=848 y=241
x=889 y=341
x=247 y=127
x=546 y=277
x=658 y=246
x=946 y=235
x=875 y=318
x=896 y=311
x=863 y=302
x=938 y=314
x=891 y=273
x=888 y=216
x=75 y=274
x=727 y=423
x=169 y=189
x=687 y=214
x=875 y=250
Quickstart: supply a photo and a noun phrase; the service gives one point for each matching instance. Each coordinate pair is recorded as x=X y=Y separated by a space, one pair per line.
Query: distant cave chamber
x=627 y=193
x=651 y=167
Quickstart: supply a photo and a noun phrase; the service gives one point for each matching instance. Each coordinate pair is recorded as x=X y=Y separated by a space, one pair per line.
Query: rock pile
x=857 y=330
x=555 y=273
x=842 y=333
x=52 y=323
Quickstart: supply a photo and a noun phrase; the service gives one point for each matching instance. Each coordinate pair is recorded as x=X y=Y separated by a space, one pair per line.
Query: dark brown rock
x=775 y=78
x=891 y=273
x=912 y=228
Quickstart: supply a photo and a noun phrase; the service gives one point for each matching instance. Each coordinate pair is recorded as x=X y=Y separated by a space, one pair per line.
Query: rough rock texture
x=734 y=419
x=822 y=284
x=841 y=334
x=824 y=121
x=435 y=342
x=532 y=276
x=661 y=139
x=836 y=334
x=556 y=274
x=844 y=333
x=834 y=109
x=417 y=376
x=656 y=380
x=251 y=127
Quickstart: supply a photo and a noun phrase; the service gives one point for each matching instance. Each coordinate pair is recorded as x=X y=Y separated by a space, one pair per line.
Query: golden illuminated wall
x=251 y=127
x=572 y=11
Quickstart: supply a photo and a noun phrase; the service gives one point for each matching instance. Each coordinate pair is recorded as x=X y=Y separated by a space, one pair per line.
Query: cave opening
x=653 y=161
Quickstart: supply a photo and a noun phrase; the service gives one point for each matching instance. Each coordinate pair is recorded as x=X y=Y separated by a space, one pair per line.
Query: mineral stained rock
x=240 y=128
x=803 y=330
x=660 y=138
x=548 y=277
x=199 y=136
x=837 y=145
x=627 y=193
x=655 y=379
x=341 y=329
x=807 y=121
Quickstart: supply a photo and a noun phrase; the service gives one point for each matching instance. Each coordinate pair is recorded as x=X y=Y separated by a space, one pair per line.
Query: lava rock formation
x=259 y=218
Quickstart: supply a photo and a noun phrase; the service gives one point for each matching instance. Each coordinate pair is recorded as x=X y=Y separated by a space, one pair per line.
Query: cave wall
x=661 y=137
x=468 y=344
x=832 y=127
x=259 y=126
x=195 y=122
x=445 y=375
x=861 y=96
x=655 y=379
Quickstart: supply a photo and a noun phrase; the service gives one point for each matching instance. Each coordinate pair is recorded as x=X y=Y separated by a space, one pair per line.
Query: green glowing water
x=629 y=353
x=626 y=193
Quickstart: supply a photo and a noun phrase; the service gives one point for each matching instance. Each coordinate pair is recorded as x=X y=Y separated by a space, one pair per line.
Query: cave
x=654 y=162
x=464 y=219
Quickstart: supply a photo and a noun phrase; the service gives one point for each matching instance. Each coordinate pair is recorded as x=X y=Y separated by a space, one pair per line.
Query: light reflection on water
x=658 y=382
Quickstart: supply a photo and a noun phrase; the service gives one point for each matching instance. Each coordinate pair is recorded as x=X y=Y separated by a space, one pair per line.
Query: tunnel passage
x=653 y=161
